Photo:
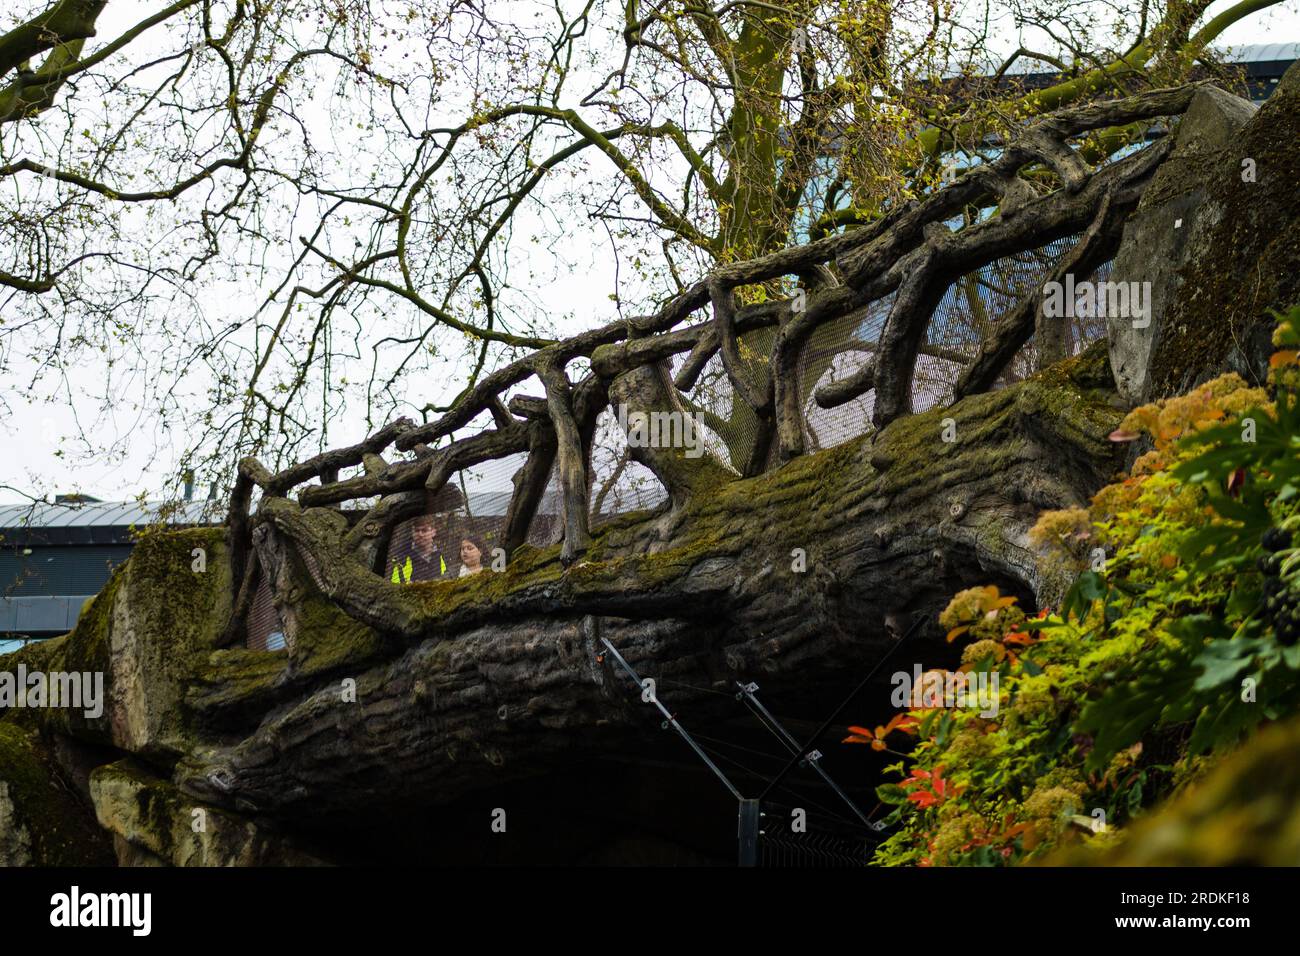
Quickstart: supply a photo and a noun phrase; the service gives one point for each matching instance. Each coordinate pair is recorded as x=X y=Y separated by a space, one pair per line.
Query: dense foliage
x=1177 y=638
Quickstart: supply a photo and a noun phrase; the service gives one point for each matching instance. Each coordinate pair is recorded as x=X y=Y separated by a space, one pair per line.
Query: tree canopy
x=253 y=221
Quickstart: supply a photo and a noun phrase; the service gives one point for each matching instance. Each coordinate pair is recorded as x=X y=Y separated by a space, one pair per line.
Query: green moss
x=62 y=829
x=180 y=602
x=151 y=813
x=328 y=639
x=234 y=686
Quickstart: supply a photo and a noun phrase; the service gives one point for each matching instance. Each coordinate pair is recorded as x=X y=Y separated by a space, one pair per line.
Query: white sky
x=29 y=442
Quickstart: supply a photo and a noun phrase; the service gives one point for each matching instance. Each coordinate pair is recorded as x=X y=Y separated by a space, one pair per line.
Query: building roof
x=1246 y=54
x=1261 y=53
x=115 y=514
x=94 y=522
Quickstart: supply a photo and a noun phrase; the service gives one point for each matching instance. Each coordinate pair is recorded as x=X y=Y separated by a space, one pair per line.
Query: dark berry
x=1276 y=539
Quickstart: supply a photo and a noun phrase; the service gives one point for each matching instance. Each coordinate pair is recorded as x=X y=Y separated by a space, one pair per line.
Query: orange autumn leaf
x=901 y=722
x=1286 y=357
x=1031 y=838
x=859 y=735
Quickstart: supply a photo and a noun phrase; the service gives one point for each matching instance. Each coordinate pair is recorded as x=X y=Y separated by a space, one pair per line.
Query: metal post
x=747 y=830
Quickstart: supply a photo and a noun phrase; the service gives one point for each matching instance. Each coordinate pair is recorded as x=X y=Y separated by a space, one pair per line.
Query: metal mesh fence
x=813 y=850
x=964 y=317
x=265 y=629
x=467 y=520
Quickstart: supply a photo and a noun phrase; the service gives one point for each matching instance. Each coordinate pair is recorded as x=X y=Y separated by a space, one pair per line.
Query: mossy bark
x=151 y=821
x=1247 y=264
x=42 y=820
x=800 y=577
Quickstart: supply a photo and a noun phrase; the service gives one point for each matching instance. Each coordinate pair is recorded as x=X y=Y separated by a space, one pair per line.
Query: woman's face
x=469 y=554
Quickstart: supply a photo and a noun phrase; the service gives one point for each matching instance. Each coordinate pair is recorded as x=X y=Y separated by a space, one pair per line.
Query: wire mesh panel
x=782 y=849
x=729 y=426
x=618 y=483
x=969 y=311
x=835 y=352
x=459 y=532
x=265 y=630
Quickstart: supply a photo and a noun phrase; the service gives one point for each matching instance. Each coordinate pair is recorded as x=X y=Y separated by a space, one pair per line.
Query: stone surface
x=15 y=840
x=164 y=614
x=1244 y=262
x=1159 y=238
x=153 y=824
x=43 y=821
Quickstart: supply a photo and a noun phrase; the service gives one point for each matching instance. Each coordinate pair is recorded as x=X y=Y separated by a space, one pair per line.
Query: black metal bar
x=747 y=830
x=792 y=745
x=804 y=751
x=671 y=721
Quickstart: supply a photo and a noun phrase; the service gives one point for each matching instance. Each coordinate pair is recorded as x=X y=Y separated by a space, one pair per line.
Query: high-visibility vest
x=402 y=573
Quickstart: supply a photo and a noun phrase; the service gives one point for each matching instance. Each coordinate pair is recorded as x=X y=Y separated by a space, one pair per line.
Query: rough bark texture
x=1246 y=262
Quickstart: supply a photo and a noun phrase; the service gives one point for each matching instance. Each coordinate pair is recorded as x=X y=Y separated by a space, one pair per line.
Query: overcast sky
x=37 y=429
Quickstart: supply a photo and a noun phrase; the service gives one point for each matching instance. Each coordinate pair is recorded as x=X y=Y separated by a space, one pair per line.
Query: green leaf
x=1033 y=670
x=1222 y=721
x=891 y=793
x=945 y=727
x=1128 y=710
x=1222 y=661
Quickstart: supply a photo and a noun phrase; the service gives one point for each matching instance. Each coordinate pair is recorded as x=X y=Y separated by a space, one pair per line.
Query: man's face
x=422 y=537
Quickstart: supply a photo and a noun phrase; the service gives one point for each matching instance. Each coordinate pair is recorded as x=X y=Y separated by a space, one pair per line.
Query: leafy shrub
x=1178 y=636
